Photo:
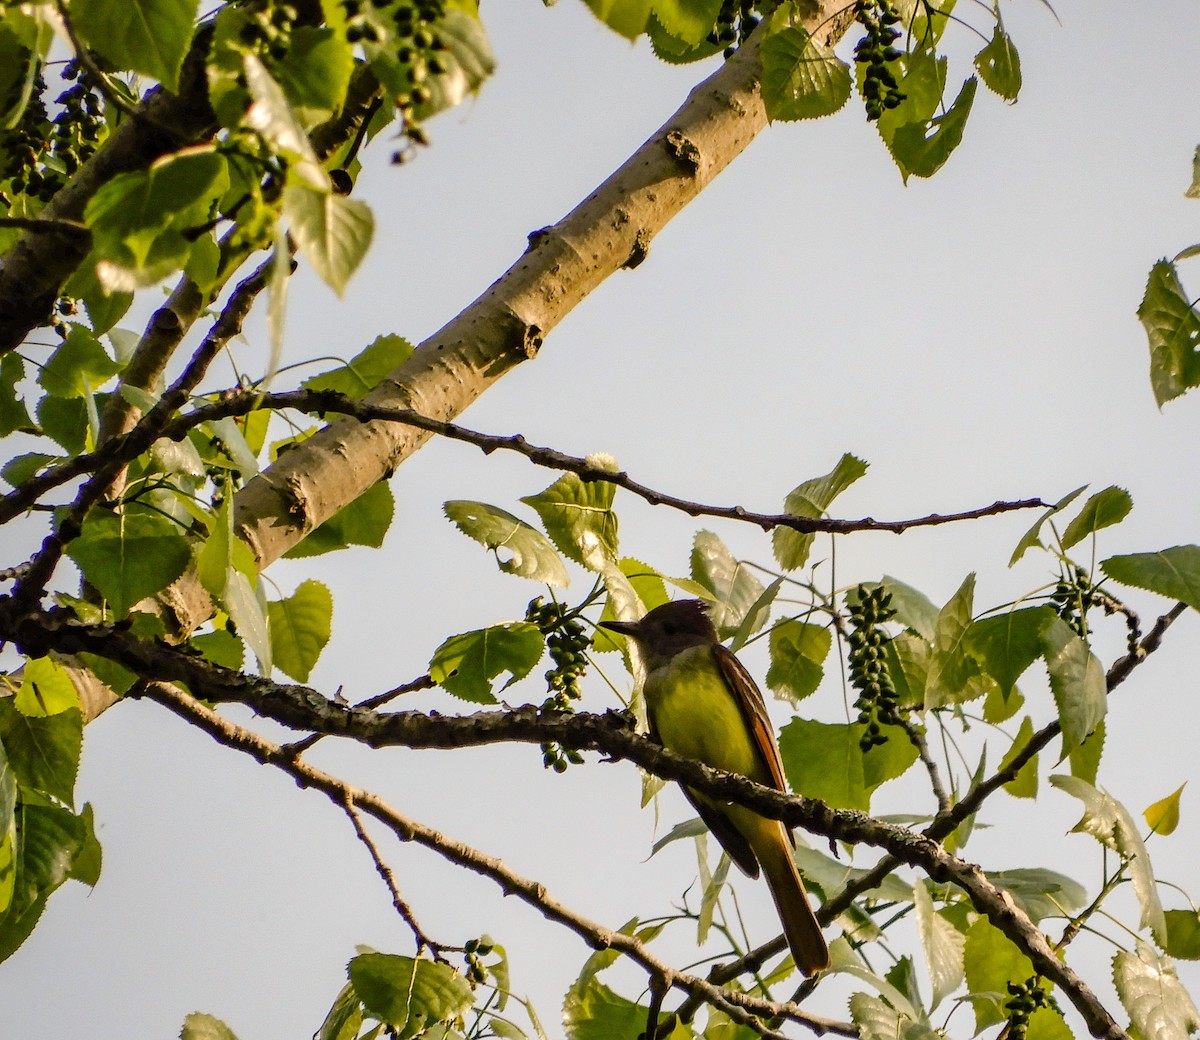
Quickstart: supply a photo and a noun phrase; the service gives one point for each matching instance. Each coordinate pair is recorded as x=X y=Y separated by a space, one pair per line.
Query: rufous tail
x=800 y=926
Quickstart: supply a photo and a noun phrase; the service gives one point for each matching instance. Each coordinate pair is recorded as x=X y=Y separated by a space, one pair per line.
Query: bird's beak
x=633 y=629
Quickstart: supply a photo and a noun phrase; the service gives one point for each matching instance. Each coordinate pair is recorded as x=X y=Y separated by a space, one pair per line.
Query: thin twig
x=321 y=402
x=389 y=879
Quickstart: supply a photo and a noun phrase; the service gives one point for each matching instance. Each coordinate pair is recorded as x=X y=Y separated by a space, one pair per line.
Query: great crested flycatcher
x=702 y=704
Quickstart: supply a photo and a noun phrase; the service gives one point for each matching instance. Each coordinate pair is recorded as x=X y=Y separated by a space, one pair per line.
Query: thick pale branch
x=608 y=231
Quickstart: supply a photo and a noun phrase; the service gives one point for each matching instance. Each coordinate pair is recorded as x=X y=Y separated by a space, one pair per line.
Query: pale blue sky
x=973 y=337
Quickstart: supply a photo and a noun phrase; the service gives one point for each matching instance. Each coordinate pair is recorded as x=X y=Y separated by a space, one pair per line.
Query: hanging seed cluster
x=411 y=27
x=40 y=153
x=877 y=702
x=1073 y=597
x=268 y=30
x=473 y=953
x=567 y=643
x=735 y=22
x=877 y=50
x=1024 y=999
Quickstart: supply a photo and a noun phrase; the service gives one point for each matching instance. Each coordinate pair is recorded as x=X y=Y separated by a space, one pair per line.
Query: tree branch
x=321 y=402
x=741 y=1007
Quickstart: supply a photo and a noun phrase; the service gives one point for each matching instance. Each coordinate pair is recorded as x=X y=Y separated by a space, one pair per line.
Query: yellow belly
x=696 y=715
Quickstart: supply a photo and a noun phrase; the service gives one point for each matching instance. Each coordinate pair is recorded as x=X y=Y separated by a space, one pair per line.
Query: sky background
x=973 y=337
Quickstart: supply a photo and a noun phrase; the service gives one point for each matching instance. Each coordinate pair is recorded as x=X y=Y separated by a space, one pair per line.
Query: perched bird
x=702 y=704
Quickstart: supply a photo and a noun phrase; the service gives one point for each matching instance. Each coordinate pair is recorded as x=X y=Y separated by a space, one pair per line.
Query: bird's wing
x=732 y=840
x=754 y=711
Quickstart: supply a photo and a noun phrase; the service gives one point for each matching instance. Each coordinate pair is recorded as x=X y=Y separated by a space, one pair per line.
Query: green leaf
x=78 y=367
x=1047 y=1024
x=1025 y=783
x=315 y=72
x=579 y=519
x=1173 y=331
x=198 y=1026
x=1183 y=934
x=364 y=521
x=992 y=962
x=811 y=499
x=1103 y=509
x=801 y=77
x=1085 y=759
x=519 y=548
x=998 y=708
x=332 y=232
x=45 y=689
x=921 y=149
x=1163 y=815
x=913 y=608
x=879 y=1020
x=999 y=65
x=592 y=1011
x=246 y=609
x=1174 y=572
x=143 y=222
x=1110 y=823
x=14 y=415
x=130 y=555
x=825 y=760
x=1007 y=644
x=647 y=584
x=466 y=664
x=942 y=944
x=675 y=51
x=734 y=589
x=953 y=673
x=65 y=421
x=628 y=17
x=798 y=650
x=366 y=369
x=688 y=21
x=147 y=36
x=411 y=996
x=1041 y=893
x=1033 y=537
x=1077 y=682
x=468 y=61
x=86 y=864
x=907 y=657
x=1151 y=992
x=43 y=751
x=300 y=627
x=221 y=648
x=345 y=1017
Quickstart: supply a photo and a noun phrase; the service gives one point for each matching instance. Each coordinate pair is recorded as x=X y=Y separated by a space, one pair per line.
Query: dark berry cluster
x=411 y=27
x=735 y=22
x=568 y=644
x=1073 y=597
x=877 y=703
x=39 y=153
x=1024 y=999
x=268 y=30
x=877 y=50
x=473 y=953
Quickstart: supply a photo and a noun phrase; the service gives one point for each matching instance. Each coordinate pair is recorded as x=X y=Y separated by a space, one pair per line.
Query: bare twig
x=321 y=402
x=389 y=879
